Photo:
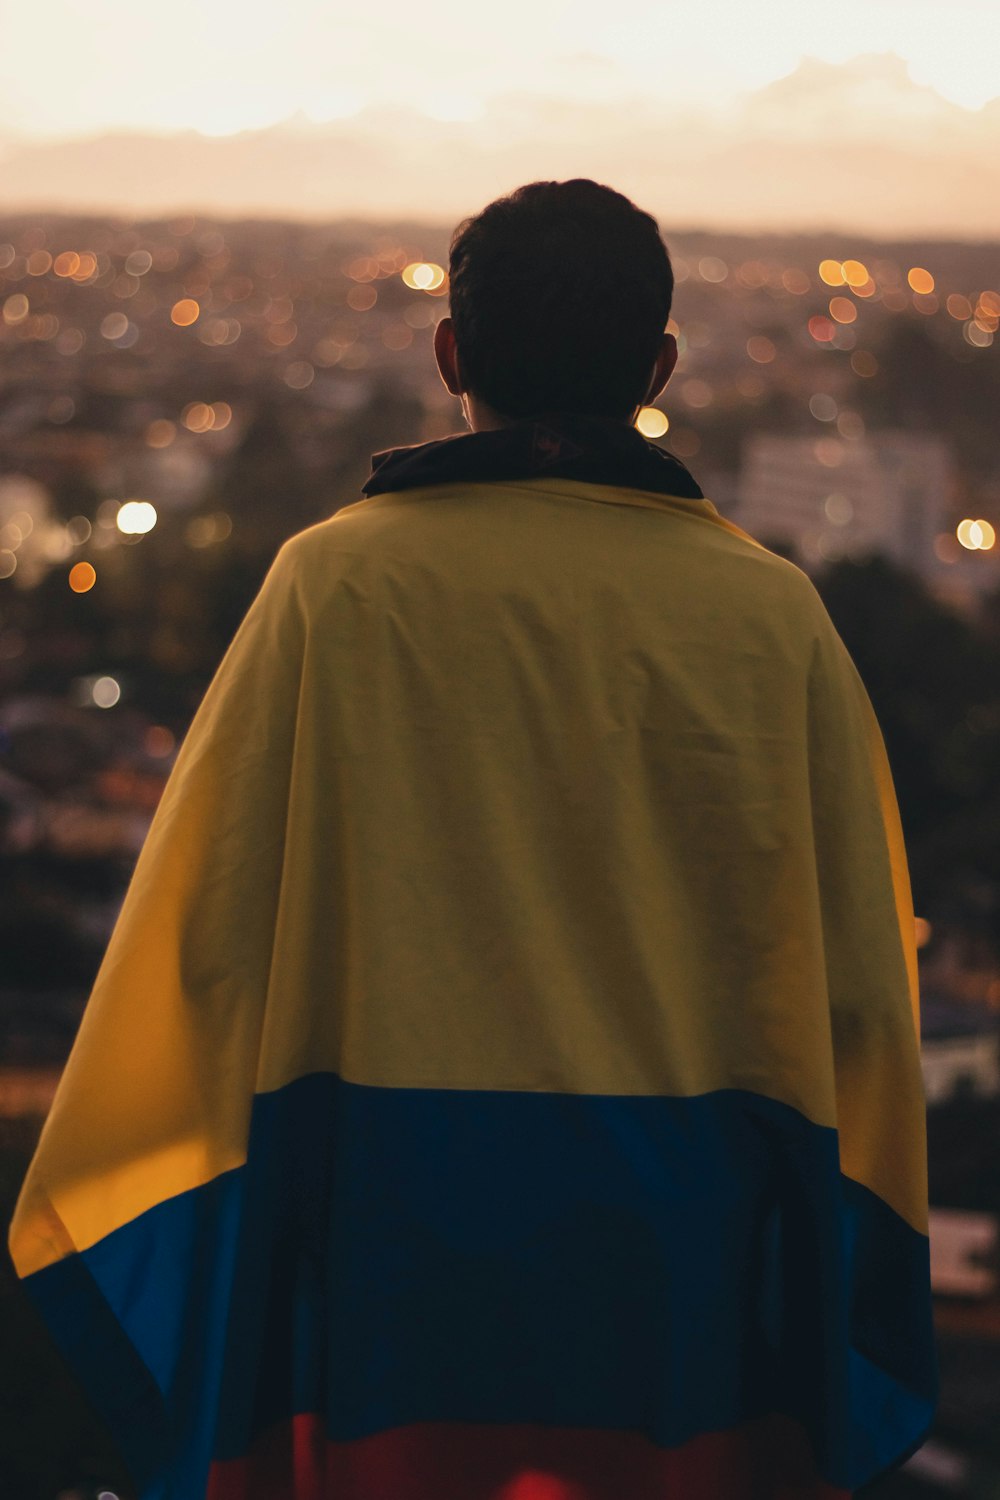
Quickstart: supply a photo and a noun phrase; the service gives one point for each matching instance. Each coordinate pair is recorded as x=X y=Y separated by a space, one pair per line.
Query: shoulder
x=329 y=561
x=351 y=527
x=765 y=583
x=345 y=533
x=781 y=570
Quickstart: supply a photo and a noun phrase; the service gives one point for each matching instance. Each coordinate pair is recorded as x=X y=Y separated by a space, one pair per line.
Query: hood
x=592 y=449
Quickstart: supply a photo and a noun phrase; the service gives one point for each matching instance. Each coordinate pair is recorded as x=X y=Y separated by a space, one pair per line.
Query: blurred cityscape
x=178 y=396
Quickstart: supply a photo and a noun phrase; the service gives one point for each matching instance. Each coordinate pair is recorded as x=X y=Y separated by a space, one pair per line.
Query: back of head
x=560 y=293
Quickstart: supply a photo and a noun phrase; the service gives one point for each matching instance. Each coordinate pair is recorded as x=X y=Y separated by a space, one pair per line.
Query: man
x=503 y=1081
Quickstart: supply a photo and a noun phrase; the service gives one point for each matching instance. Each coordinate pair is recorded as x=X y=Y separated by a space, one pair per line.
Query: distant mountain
x=872 y=97
x=856 y=146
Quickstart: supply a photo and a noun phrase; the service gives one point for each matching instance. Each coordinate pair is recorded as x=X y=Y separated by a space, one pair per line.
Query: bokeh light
x=823 y=407
x=159 y=741
x=66 y=264
x=821 y=329
x=160 y=433
x=975 y=536
x=203 y=531
x=106 y=692
x=842 y=310
x=397 y=336
x=16 y=308
x=838 y=509
x=850 y=425
x=198 y=416
x=87 y=267
x=829 y=452
x=82 y=576
x=795 y=281
x=299 y=375
x=864 y=363
x=185 y=312
x=362 y=298
x=423 y=276
x=652 y=422
x=114 y=326
x=697 y=394
x=760 y=349
x=79 y=530
x=712 y=269
x=685 y=442
x=920 y=280
x=974 y=333
x=136 y=517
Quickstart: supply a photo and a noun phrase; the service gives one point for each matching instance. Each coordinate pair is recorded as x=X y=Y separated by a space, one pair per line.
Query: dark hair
x=560 y=293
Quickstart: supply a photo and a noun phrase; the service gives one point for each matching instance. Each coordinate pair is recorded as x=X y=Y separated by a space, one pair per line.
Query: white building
x=959 y=1048
x=827 y=497
x=957 y=1065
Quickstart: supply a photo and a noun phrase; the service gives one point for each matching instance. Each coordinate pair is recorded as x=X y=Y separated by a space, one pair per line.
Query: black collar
x=592 y=449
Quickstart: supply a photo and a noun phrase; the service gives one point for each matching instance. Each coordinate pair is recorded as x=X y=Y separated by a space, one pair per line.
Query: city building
x=959 y=1049
x=824 y=498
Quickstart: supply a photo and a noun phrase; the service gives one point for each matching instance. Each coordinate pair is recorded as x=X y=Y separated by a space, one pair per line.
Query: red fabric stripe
x=768 y=1459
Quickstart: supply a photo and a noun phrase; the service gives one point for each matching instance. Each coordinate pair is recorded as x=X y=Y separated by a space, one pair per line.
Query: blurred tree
x=391 y=417
x=264 y=486
x=934 y=681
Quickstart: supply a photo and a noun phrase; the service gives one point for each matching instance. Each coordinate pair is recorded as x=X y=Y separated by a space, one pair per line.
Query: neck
x=480 y=417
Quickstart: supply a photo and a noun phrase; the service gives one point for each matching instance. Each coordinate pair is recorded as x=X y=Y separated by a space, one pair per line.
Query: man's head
x=560 y=293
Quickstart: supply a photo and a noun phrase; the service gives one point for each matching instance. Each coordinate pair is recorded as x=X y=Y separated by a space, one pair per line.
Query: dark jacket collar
x=591 y=449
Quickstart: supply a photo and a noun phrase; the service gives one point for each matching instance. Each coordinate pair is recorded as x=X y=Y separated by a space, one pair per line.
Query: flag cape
x=502 y=1081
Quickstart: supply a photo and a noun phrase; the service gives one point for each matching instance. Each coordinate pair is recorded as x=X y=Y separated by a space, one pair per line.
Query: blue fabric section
x=101 y=1354
x=140 y=1317
x=388 y=1256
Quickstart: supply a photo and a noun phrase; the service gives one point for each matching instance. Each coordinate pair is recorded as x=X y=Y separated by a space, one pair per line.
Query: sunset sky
x=70 y=69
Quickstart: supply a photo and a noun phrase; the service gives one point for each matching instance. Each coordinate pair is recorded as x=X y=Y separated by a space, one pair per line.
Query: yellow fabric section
x=870 y=940
x=534 y=786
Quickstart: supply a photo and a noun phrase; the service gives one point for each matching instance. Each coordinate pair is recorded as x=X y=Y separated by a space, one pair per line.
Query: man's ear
x=446 y=355
x=666 y=359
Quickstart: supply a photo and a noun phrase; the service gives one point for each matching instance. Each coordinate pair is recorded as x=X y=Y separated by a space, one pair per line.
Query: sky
x=81 y=67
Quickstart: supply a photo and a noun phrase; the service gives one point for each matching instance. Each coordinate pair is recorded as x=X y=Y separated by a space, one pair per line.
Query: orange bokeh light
x=66 y=264
x=185 y=312
x=842 y=310
x=920 y=280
